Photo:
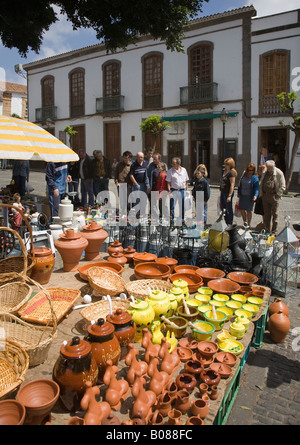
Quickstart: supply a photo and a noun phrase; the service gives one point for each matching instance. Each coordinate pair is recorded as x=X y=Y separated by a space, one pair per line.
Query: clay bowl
x=189 y=317
x=258 y=293
x=38 y=396
x=186 y=381
x=171 y=262
x=193 y=367
x=188 y=342
x=185 y=268
x=207 y=348
x=209 y=273
x=226 y=357
x=143 y=257
x=255 y=300
x=12 y=412
x=224 y=370
x=152 y=270
x=193 y=280
x=245 y=289
x=224 y=286
x=183 y=353
x=182 y=324
x=244 y=278
x=117 y=268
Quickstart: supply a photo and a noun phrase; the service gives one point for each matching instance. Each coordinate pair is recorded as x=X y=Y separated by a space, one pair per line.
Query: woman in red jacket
x=161 y=183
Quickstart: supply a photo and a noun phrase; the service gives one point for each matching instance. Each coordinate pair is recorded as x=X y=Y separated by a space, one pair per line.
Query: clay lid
x=92 y=226
x=117 y=255
x=75 y=348
x=42 y=251
x=129 y=250
x=144 y=256
x=119 y=317
x=116 y=243
x=166 y=260
x=70 y=234
x=101 y=328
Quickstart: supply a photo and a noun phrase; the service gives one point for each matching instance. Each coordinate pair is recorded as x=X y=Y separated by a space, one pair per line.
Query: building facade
x=105 y=97
x=13 y=99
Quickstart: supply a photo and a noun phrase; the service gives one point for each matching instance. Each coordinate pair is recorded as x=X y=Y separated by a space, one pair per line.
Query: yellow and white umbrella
x=20 y=139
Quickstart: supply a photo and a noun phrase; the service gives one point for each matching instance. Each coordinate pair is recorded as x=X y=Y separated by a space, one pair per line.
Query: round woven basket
x=105 y=282
x=14 y=363
x=140 y=288
x=13 y=296
x=102 y=308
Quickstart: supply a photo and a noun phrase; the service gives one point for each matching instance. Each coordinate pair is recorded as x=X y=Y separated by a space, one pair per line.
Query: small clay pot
x=227 y=358
x=279 y=326
x=224 y=370
x=12 y=412
x=207 y=348
x=193 y=367
x=115 y=247
x=171 y=262
x=129 y=253
x=214 y=392
x=199 y=408
x=117 y=257
x=44 y=262
x=186 y=381
x=164 y=404
x=172 y=390
x=156 y=418
x=184 y=354
x=210 y=377
x=182 y=402
x=174 y=417
x=192 y=316
x=194 y=420
x=203 y=388
x=125 y=328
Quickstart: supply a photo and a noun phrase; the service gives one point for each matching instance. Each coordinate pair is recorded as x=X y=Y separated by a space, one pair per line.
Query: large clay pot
x=74 y=367
x=277 y=306
x=104 y=344
x=118 y=258
x=71 y=245
x=125 y=328
x=279 y=326
x=43 y=265
x=12 y=412
x=95 y=236
x=115 y=247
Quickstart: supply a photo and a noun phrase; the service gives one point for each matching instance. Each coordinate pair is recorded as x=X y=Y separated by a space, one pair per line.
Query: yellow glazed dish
x=203 y=325
x=221 y=297
x=202 y=298
x=217 y=303
x=237 y=329
x=243 y=320
x=251 y=307
x=234 y=305
x=218 y=322
x=225 y=335
x=243 y=312
x=205 y=291
x=203 y=308
x=255 y=300
x=226 y=310
x=233 y=346
x=239 y=297
x=192 y=302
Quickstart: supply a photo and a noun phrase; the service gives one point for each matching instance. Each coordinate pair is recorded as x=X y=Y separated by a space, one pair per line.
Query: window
x=274 y=68
x=78 y=139
x=77 y=92
x=111 y=79
x=200 y=59
x=152 y=81
x=47 y=91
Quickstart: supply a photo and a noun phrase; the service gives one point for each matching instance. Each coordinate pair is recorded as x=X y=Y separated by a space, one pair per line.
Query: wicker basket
x=140 y=288
x=14 y=363
x=105 y=282
x=102 y=308
x=35 y=340
x=13 y=296
x=38 y=310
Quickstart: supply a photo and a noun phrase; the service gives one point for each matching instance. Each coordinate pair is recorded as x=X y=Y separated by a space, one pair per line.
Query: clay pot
x=125 y=328
x=224 y=370
x=194 y=420
x=209 y=273
x=184 y=354
x=245 y=289
x=143 y=257
x=151 y=270
x=118 y=258
x=203 y=388
x=207 y=348
x=156 y=418
x=115 y=247
x=172 y=390
x=43 y=265
x=224 y=286
x=74 y=367
x=164 y=404
x=192 y=316
x=38 y=397
x=214 y=392
x=277 y=306
x=71 y=245
x=185 y=268
x=193 y=280
x=114 y=267
x=279 y=326
x=227 y=358
x=104 y=345
x=188 y=342
x=186 y=381
x=174 y=417
x=182 y=402
x=199 y=408
x=129 y=253
x=244 y=278
x=171 y=262
x=210 y=377
x=182 y=324
x=95 y=236
x=12 y=412
x=193 y=367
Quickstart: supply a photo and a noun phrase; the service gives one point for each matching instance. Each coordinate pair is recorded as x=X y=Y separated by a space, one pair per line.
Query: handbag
x=237 y=211
x=259 y=208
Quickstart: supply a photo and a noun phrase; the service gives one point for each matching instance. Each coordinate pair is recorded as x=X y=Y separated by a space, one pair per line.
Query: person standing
x=122 y=170
x=139 y=178
x=56 y=178
x=177 y=181
x=248 y=190
x=200 y=184
x=20 y=174
x=152 y=170
x=161 y=183
x=227 y=189
x=272 y=186
x=73 y=171
x=102 y=173
x=86 y=179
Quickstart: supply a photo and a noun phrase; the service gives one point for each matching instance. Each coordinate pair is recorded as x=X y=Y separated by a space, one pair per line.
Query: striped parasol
x=20 y=139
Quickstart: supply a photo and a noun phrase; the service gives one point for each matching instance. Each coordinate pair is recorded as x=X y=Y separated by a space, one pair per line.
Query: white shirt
x=177 y=178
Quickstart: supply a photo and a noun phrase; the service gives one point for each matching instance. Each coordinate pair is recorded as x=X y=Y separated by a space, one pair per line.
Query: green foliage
x=69 y=130
x=286 y=103
x=154 y=124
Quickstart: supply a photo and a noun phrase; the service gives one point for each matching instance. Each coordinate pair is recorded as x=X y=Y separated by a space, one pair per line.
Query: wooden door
x=113 y=141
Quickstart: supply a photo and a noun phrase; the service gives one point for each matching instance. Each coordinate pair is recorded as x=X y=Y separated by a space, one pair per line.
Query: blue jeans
x=87 y=190
x=227 y=206
x=172 y=203
x=54 y=202
x=100 y=185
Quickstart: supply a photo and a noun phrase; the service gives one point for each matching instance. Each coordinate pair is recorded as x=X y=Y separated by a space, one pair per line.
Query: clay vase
x=203 y=388
x=95 y=236
x=164 y=404
x=38 y=397
x=70 y=246
x=172 y=390
x=104 y=345
x=199 y=408
x=43 y=265
x=194 y=420
x=174 y=417
x=182 y=402
x=12 y=412
x=115 y=247
x=125 y=328
x=74 y=367
x=278 y=305
x=128 y=253
x=279 y=326
x=214 y=392
x=118 y=258
x=210 y=377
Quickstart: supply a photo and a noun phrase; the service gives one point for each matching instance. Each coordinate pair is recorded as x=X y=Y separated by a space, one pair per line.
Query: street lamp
x=223 y=117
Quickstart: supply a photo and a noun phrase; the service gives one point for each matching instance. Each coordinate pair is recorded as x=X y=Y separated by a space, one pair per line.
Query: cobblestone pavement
x=269 y=391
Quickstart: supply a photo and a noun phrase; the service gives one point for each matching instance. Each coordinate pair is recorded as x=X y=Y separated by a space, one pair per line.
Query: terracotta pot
x=140 y=257
x=224 y=370
x=227 y=358
x=129 y=253
x=207 y=348
x=186 y=381
x=174 y=417
x=164 y=404
x=117 y=257
x=185 y=268
x=244 y=278
x=279 y=326
x=70 y=245
x=188 y=342
x=74 y=367
x=156 y=418
x=210 y=377
x=199 y=408
x=125 y=328
x=183 y=353
x=182 y=402
x=115 y=247
x=278 y=306
x=193 y=367
x=152 y=270
x=171 y=262
x=172 y=390
x=104 y=344
x=38 y=397
x=214 y=392
x=43 y=265
x=12 y=412
x=114 y=267
x=224 y=286
x=209 y=273
x=203 y=388
x=95 y=236
x=194 y=420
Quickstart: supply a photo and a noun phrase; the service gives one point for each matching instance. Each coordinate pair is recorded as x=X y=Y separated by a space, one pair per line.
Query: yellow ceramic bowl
x=233 y=346
x=205 y=291
x=225 y=335
x=217 y=303
x=255 y=300
x=202 y=298
x=239 y=297
x=226 y=310
x=192 y=302
x=234 y=305
x=202 y=309
x=217 y=322
x=203 y=325
x=237 y=329
x=251 y=308
x=243 y=312
x=243 y=320
x=221 y=297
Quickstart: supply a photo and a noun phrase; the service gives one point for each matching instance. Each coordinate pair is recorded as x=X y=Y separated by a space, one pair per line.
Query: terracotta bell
x=115 y=247
x=104 y=343
x=74 y=367
x=95 y=236
x=70 y=246
x=125 y=328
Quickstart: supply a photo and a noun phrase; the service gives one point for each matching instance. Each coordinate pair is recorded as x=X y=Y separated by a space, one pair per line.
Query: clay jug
x=70 y=246
x=125 y=328
x=118 y=258
x=214 y=392
x=182 y=402
x=95 y=236
x=199 y=408
x=74 y=367
x=156 y=418
x=279 y=326
x=104 y=344
x=43 y=265
x=174 y=417
x=194 y=420
x=278 y=305
x=115 y=247
x=203 y=388
x=164 y=404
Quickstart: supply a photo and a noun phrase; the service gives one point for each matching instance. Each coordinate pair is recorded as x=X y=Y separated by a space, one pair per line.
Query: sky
x=61 y=38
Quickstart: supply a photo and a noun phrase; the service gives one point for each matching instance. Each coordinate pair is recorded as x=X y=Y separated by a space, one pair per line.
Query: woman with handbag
x=248 y=190
x=227 y=188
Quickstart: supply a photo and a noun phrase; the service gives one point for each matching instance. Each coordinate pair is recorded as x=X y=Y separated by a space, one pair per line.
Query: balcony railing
x=199 y=93
x=269 y=106
x=111 y=103
x=44 y=113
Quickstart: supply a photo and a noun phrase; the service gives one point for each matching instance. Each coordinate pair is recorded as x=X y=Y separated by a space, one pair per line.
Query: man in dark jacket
x=86 y=179
x=56 y=178
x=102 y=173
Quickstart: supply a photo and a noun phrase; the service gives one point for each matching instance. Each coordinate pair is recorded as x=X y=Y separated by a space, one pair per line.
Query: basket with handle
x=140 y=288
x=14 y=363
x=105 y=282
x=13 y=296
x=102 y=308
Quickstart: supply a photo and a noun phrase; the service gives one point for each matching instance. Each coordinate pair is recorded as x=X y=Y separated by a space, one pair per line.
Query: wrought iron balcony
x=110 y=103
x=202 y=93
x=44 y=113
